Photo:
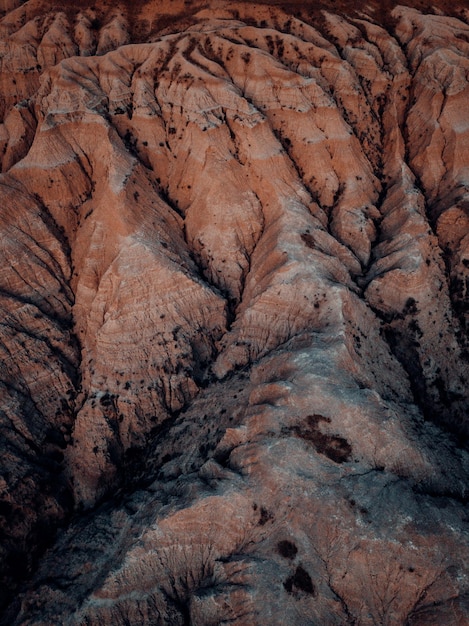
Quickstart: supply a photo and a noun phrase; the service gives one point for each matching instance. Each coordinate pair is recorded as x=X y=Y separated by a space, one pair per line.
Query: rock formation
x=234 y=282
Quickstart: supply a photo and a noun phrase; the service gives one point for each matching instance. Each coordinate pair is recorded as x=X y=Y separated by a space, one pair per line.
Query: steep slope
x=235 y=256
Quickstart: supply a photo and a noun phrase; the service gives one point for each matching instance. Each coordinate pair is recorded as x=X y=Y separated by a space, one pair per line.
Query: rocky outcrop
x=234 y=344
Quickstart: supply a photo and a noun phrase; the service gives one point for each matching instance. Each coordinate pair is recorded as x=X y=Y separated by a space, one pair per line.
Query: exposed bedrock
x=235 y=256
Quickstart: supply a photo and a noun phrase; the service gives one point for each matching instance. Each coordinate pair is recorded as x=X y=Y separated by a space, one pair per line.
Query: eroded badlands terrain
x=234 y=313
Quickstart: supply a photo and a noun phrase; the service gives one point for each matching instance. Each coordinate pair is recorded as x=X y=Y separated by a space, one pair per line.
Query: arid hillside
x=234 y=285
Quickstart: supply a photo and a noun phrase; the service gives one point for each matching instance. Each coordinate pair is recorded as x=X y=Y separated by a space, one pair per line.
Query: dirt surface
x=234 y=338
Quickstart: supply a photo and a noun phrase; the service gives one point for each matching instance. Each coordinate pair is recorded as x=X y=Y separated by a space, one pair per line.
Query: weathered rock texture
x=234 y=339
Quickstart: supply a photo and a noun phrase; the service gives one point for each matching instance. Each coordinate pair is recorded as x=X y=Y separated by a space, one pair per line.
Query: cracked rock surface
x=234 y=244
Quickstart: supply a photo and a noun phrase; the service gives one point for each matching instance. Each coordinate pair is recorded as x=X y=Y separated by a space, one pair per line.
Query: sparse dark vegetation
x=335 y=447
x=300 y=581
x=287 y=549
x=265 y=516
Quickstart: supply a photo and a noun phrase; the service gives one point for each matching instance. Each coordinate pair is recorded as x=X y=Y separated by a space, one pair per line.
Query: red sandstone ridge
x=234 y=341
